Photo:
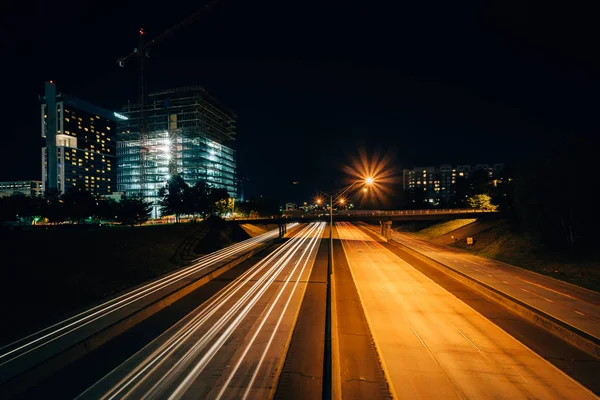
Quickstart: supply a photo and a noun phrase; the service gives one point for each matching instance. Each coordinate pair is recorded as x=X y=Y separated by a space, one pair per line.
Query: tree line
x=75 y=207
x=178 y=198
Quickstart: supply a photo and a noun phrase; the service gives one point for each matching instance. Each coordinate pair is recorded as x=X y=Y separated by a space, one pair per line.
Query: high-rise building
x=187 y=133
x=80 y=148
x=28 y=188
x=438 y=183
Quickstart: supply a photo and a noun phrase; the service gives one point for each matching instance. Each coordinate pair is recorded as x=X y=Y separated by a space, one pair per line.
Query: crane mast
x=141 y=53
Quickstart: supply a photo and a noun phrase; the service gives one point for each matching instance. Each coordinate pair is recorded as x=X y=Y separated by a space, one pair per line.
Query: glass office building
x=80 y=145
x=188 y=133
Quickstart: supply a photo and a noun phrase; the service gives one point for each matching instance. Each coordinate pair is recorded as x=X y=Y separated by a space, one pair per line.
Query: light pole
x=327 y=381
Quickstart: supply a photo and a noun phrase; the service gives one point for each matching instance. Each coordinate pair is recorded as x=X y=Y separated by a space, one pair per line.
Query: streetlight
x=368 y=182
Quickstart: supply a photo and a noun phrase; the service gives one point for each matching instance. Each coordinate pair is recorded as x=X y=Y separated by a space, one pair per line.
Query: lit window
x=67 y=119
x=108 y=128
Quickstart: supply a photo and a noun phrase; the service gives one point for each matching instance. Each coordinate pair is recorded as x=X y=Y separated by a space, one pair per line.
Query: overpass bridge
x=374 y=215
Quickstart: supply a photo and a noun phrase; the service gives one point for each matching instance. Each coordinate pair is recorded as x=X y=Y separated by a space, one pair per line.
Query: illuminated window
x=108 y=128
x=67 y=119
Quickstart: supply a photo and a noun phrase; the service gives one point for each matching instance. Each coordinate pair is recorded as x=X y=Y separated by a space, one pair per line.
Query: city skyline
x=377 y=86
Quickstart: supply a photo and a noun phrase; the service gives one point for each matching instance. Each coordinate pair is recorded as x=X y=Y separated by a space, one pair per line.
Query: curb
x=46 y=368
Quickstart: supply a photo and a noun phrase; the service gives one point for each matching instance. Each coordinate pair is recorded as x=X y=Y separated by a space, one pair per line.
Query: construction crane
x=141 y=53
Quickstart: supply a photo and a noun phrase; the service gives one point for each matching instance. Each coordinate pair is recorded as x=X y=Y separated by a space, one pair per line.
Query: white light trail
x=167 y=367
x=56 y=331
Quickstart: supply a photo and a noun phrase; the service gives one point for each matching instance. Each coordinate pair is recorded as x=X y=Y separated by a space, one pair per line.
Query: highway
x=231 y=346
x=39 y=346
x=571 y=304
x=433 y=345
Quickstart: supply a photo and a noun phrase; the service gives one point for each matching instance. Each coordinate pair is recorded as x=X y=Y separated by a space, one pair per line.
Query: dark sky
x=314 y=81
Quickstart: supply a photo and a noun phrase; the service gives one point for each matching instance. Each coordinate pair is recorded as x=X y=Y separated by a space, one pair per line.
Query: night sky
x=314 y=81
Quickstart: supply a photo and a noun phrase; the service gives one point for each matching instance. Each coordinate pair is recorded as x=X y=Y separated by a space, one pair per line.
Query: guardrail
x=437 y=211
x=412 y=212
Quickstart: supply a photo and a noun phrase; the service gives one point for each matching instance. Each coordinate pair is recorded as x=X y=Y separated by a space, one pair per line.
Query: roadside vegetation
x=440 y=229
x=500 y=241
x=50 y=271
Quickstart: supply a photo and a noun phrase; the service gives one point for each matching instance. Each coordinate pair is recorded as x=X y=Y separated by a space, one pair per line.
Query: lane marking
x=547 y=288
x=469 y=340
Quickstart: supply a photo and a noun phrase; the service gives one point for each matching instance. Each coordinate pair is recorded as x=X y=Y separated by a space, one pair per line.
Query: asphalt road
x=233 y=345
x=34 y=349
x=433 y=345
x=571 y=304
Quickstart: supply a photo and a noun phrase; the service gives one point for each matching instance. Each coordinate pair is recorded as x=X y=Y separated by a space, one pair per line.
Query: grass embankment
x=54 y=271
x=443 y=228
x=257 y=229
x=498 y=241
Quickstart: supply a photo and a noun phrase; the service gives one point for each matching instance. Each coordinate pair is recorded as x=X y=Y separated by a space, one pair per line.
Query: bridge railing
x=385 y=213
x=437 y=211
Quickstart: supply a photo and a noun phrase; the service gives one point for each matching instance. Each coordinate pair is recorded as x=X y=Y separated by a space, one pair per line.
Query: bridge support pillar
x=386 y=229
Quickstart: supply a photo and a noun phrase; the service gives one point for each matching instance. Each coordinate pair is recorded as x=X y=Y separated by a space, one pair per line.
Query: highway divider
x=37 y=356
x=567 y=332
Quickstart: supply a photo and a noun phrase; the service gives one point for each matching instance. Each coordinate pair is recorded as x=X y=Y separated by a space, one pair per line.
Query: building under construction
x=183 y=132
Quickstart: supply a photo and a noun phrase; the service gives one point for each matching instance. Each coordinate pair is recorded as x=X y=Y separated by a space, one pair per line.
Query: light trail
x=215 y=336
x=105 y=310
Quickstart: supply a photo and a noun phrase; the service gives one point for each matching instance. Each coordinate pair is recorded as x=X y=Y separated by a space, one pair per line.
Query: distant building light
x=120 y=116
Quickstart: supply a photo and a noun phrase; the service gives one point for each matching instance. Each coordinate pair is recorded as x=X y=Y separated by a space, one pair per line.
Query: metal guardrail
x=437 y=211
x=412 y=212
x=366 y=213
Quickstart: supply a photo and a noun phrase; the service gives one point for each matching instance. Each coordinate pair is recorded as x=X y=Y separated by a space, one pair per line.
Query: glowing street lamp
x=369 y=181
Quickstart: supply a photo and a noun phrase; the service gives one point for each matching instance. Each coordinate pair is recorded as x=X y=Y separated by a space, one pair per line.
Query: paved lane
x=35 y=348
x=232 y=346
x=573 y=305
x=433 y=345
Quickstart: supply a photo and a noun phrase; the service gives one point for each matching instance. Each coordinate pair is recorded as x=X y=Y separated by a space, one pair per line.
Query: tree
x=53 y=207
x=134 y=210
x=478 y=182
x=173 y=197
x=481 y=202
x=79 y=205
x=196 y=202
x=217 y=199
x=461 y=192
x=107 y=209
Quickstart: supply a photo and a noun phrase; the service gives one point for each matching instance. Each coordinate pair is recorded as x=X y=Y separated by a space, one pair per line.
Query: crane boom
x=141 y=53
x=143 y=49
